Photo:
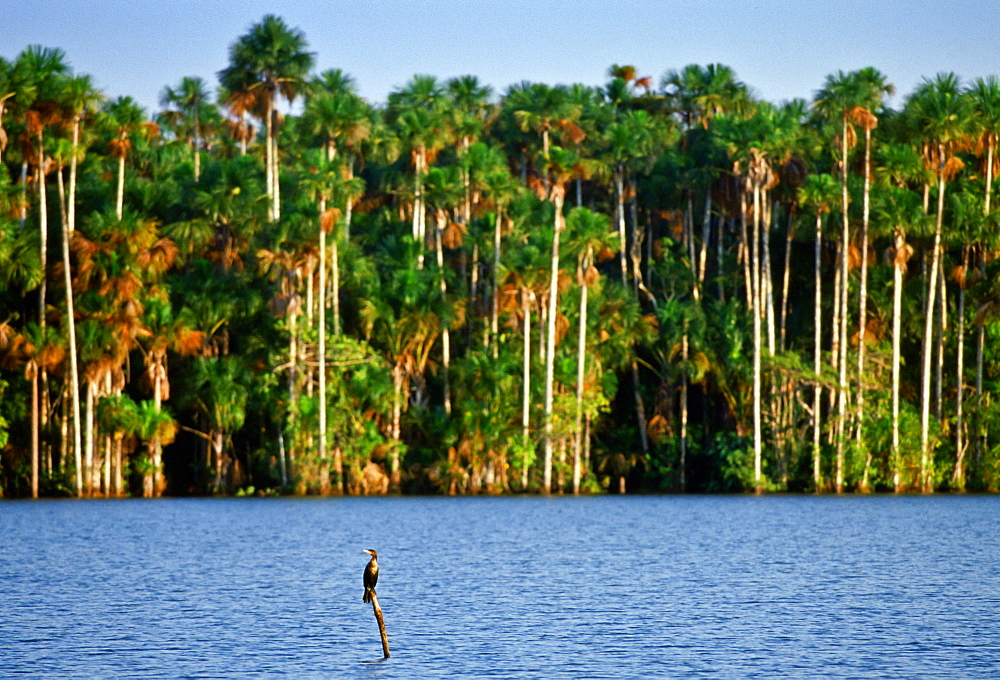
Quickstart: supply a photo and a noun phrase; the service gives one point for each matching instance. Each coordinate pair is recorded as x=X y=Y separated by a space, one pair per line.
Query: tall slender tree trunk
x=495 y=302
x=120 y=195
x=526 y=299
x=980 y=432
x=68 y=226
x=958 y=475
x=293 y=386
x=275 y=166
x=550 y=339
x=990 y=149
x=767 y=279
x=897 y=313
x=706 y=232
x=32 y=375
x=269 y=155
x=817 y=350
x=786 y=276
x=43 y=229
x=939 y=338
x=926 y=458
x=640 y=407
x=442 y=223
x=863 y=314
x=684 y=411
x=581 y=366
x=845 y=289
x=197 y=144
x=321 y=341
x=755 y=293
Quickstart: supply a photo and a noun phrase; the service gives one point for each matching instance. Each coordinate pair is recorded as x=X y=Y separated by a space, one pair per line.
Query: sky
x=781 y=49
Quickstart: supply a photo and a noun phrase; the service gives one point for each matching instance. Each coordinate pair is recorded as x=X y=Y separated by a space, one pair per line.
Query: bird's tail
x=368 y=595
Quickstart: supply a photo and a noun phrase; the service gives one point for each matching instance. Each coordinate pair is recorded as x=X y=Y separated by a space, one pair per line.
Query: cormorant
x=371 y=576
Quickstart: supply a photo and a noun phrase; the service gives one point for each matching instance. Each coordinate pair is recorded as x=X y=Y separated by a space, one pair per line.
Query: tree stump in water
x=381 y=625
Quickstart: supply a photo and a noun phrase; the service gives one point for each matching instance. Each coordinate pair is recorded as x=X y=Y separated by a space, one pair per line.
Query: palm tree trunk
x=748 y=278
x=767 y=279
x=958 y=475
x=71 y=338
x=550 y=341
x=786 y=276
x=755 y=294
x=43 y=229
x=581 y=363
x=926 y=459
x=620 y=220
x=442 y=222
x=844 y=292
x=293 y=389
x=197 y=144
x=817 y=349
x=495 y=303
x=835 y=343
x=33 y=373
x=526 y=298
x=706 y=232
x=980 y=434
x=269 y=156
x=684 y=411
x=71 y=203
x=275 y=167
x=321 y=339
x=989 y=173
x=897 y=307
x=942 y=328
x=640 y=408
x=863 y=312
x=120 y=195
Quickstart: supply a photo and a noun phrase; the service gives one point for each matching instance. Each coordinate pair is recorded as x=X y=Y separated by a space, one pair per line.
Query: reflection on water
x=720 y=587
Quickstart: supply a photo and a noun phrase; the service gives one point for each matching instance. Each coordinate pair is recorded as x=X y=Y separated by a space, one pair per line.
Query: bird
x=371 y=576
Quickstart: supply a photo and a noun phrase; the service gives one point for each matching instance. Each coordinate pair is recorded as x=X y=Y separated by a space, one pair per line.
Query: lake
x=597 y=587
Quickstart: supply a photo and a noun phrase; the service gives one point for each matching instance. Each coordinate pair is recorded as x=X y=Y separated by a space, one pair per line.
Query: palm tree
x=156 y=427
x=699 y=93
x=941 y=112
x=417 y=112
x=189 y=100
x=126 y=121
x=819 y=192
x=873 y=88
x=985 y=94
x=38 y=347
x=630 y=143
x=165 y=331
x=269 y=61
x=559 y=168
x=444 y=191
x=839 y=96
x=41 y=74
x=590 y=240
x=540 y=108
x=217 y=392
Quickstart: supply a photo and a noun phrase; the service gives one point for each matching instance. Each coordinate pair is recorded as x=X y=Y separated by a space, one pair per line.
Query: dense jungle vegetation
x=274 y=286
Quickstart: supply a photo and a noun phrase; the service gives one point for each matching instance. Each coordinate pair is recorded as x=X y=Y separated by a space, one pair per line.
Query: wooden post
x=381 y=625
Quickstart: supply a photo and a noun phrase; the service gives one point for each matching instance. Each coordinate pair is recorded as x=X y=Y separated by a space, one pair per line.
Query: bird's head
x=372 y=553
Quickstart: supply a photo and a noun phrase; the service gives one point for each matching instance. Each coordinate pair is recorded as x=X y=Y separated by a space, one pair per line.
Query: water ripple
x=687 y=587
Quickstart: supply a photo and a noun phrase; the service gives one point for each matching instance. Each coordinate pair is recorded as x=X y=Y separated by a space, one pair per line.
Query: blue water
x=605 y=587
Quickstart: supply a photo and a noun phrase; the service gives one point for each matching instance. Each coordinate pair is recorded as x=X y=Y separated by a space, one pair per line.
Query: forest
x=273 y=286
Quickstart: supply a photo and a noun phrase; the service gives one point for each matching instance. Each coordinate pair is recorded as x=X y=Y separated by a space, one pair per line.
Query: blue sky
x=781 y=49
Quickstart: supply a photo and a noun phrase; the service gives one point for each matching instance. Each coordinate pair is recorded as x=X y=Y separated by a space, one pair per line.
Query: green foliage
x=207 y=285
